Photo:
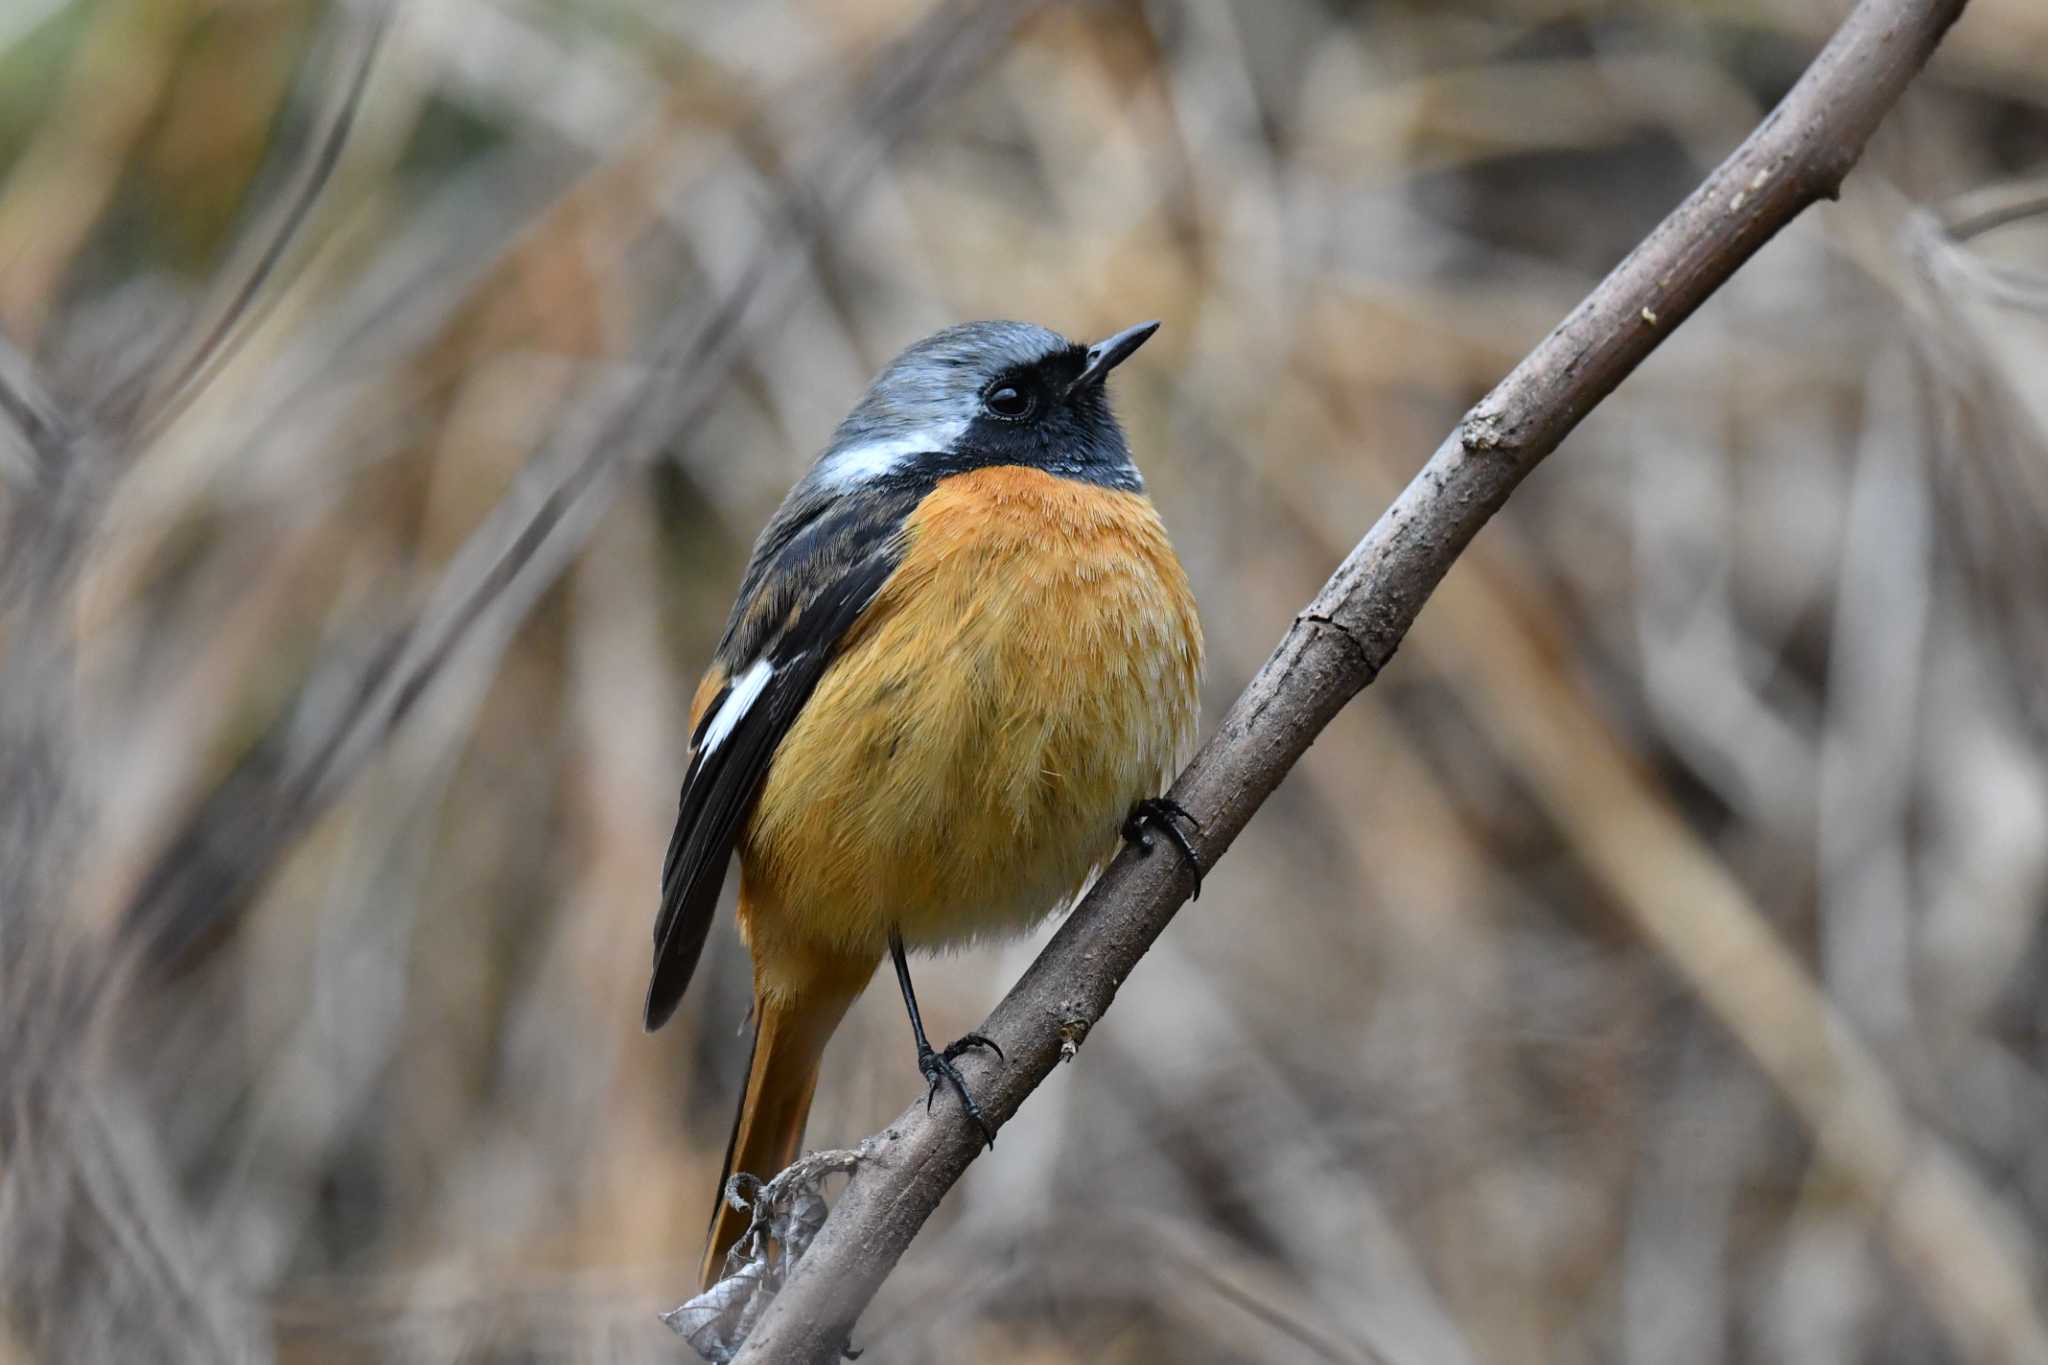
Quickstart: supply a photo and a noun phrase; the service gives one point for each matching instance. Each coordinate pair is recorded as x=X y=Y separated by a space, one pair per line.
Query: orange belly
x=1027 y=674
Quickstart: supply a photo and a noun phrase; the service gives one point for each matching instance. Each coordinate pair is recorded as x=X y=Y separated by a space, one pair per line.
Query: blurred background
x=1649 y=968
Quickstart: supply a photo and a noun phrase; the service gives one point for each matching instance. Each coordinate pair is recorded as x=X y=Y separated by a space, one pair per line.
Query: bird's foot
x=938 y=1066
x=1163 y=813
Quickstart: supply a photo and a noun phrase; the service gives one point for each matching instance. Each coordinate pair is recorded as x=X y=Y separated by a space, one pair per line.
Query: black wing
x=825 y=571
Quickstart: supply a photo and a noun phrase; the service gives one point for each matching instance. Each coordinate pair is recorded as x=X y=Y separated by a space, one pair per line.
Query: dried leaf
x=788 y=1212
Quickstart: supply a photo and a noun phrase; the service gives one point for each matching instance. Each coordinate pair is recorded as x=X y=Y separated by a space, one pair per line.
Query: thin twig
x=33 y=430
x=206 y=353
x=1341 y=641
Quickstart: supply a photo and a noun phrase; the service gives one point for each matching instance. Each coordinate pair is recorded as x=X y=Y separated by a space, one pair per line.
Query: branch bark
x=1341 y=640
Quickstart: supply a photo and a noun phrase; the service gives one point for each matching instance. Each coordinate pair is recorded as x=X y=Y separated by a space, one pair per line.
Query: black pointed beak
x=1110 y=352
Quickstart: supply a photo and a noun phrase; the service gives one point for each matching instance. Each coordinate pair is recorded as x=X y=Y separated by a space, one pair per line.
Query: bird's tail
x=768 y=1132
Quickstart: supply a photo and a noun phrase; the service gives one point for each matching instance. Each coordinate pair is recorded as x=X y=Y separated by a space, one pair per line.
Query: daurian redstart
x=963 y=659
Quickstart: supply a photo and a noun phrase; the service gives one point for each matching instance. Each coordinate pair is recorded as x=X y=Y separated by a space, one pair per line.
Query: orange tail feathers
x=768 y=1133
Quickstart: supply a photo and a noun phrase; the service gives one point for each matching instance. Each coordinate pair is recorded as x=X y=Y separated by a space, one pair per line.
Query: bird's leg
x=938 y=1065
x=1163 y=813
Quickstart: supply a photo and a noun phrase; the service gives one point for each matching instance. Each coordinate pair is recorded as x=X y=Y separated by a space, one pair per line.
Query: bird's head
x=989 y=393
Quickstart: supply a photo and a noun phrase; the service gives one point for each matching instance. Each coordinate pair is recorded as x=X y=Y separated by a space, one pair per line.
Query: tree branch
x=1340 y=642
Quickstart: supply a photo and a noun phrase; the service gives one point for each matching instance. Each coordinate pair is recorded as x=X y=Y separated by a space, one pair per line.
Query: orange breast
x=1026 y=675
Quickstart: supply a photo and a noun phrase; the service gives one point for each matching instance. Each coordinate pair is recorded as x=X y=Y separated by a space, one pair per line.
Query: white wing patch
x=870 y=460
x=745 y=692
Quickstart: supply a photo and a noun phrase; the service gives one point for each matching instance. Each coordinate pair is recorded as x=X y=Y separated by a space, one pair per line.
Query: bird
x=962 y=665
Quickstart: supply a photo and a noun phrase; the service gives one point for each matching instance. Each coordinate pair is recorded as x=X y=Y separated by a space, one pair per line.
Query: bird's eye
x=1008 y=402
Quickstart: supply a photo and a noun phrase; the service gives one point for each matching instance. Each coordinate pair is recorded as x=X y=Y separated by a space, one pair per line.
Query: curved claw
x=972 y=1040
x=938 y=1066
x=1162 y=813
